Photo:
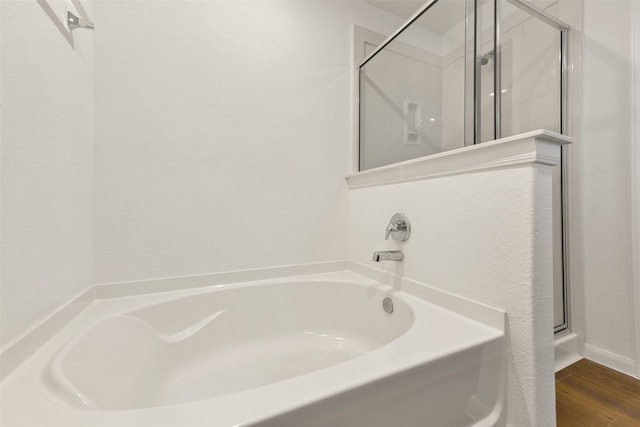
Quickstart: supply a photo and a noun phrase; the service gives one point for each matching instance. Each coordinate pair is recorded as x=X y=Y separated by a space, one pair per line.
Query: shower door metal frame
x=473 y=74
x=404 y=26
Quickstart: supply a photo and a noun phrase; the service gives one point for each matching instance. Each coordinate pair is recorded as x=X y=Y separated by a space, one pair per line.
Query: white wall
x=635 y=185
x=223 y=134
x=606 y=183
x=485 y=236
x=47 y=161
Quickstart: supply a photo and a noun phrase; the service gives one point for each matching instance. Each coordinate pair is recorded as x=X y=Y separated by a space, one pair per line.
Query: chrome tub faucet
x=388 y=256
x=399 y=228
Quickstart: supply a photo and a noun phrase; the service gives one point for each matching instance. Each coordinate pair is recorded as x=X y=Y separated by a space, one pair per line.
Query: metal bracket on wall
x=74 y=22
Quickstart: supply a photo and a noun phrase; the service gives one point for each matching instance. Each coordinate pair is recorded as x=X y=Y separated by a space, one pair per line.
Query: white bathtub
x=303 y=352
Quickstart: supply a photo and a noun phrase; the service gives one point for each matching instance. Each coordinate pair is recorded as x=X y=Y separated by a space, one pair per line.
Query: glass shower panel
x=412 y=91
x=531 y=72
x=531 y=98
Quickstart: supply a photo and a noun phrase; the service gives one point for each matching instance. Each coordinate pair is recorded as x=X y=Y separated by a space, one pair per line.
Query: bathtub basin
x=208 y=345
x=299 y=352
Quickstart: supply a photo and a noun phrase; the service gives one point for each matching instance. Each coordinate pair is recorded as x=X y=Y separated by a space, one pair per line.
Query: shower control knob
x=399 y=228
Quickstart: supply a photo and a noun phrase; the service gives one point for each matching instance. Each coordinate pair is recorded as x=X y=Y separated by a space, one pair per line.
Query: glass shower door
x=533 y=48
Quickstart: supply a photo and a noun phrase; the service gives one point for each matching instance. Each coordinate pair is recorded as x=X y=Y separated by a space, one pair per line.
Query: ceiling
x=439 y=19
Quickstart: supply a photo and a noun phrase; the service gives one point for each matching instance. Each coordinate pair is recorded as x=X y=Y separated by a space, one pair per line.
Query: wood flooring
x=591 y=395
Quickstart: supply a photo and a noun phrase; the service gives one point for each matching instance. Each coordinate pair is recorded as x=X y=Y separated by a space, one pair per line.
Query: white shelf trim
x=539 y=146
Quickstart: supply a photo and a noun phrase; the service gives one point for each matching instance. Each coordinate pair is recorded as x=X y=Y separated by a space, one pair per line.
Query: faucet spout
x=379 y=256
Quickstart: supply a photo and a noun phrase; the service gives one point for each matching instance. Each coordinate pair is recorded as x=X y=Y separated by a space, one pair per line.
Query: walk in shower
x=464 y=72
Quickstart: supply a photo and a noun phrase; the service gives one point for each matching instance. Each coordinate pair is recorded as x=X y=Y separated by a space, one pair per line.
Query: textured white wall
x=47 y=161
x=485 y=236
x=223 y=134
x=606 y=171
x=635 y=186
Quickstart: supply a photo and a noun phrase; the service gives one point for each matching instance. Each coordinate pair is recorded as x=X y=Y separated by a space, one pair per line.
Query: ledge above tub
x=538 y=146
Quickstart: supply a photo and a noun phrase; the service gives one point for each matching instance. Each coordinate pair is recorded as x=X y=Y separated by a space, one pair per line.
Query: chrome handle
x=399 y=228
x=391 y=227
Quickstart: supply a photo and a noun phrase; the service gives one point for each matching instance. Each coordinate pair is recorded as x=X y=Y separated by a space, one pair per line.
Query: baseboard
x=566 y=351
x=609 y=359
